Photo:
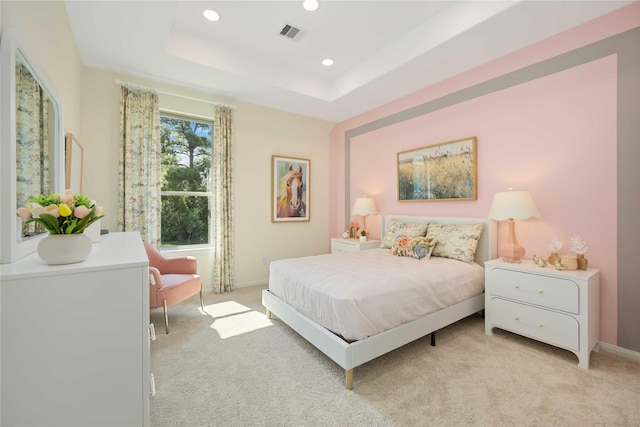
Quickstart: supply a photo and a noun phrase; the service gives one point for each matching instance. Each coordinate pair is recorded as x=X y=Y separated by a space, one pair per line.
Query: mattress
x=360 y=294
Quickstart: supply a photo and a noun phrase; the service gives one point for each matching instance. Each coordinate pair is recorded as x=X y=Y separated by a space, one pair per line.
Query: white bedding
x=360 y=294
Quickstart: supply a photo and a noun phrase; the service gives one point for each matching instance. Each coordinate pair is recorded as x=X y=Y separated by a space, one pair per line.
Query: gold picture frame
x=445 y=171
x=73 y=154
x=290 y=189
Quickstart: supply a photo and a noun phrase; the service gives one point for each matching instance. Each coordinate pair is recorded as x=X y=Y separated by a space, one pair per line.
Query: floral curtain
x=223 y=200
x=32 y=135
x=140 y=176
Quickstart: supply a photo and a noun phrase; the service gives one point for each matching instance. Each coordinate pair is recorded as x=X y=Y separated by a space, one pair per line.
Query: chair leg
x=166 y=318
x=201 y=302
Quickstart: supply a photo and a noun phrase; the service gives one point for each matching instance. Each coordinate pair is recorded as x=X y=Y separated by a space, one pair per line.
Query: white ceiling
x=382 y=49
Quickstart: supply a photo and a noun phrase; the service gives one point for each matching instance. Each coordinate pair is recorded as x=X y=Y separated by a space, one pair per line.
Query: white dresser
x=558 y=307
x=75 y=338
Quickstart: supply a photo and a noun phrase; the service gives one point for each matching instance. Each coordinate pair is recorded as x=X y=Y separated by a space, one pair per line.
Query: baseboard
x=262 y=282
x=619 y=351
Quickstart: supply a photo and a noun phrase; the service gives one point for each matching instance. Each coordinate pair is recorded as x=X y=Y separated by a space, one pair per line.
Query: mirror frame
x=10 y=248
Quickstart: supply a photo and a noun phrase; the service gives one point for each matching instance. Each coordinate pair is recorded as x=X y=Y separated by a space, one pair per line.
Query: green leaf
x=50 y=223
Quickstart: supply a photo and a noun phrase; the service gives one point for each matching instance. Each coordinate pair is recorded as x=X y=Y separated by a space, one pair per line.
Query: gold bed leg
x=268 y=313
x=348 y=378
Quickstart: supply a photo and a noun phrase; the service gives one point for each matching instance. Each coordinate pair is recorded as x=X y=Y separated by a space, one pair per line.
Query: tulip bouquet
x=65 y=213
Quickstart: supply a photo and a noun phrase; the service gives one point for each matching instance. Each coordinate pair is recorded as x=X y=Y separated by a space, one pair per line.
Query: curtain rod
x=220 y=104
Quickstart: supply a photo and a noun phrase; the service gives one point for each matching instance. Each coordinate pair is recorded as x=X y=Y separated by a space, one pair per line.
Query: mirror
x=32 y=145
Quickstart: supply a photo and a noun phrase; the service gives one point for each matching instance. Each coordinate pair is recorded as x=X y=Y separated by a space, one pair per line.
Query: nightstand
x=558 y=307
x=352 y=245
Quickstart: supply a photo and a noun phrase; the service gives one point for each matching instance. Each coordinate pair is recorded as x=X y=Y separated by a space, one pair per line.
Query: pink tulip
x=81 y=211
x=24 y=213
x=52 y=210
x=36 y=210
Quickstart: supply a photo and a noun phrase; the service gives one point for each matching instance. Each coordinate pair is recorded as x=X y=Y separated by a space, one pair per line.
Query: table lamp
x=513 y=205
x=364 y=206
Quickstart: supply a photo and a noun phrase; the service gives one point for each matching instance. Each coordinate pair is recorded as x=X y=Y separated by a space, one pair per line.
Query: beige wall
x=258 y=133
x=90 y=100
x=44 y=29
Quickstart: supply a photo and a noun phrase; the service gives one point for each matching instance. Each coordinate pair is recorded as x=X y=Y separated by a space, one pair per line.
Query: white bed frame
x=350 y=355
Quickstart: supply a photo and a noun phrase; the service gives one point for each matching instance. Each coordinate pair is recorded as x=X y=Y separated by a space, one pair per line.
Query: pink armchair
x=171 y=280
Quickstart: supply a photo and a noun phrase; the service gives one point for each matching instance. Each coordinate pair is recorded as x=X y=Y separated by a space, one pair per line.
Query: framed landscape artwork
x=446 y=171
x=289 y=189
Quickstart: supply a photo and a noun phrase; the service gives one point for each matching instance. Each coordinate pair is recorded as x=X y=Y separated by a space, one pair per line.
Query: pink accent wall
x=554 y=136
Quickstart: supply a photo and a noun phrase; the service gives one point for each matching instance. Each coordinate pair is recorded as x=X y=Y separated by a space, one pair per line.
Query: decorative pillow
x=456 y=241
x=397 y=229
x=413 y=247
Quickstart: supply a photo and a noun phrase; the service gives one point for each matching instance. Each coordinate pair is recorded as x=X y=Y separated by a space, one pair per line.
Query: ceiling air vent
x=291 y=32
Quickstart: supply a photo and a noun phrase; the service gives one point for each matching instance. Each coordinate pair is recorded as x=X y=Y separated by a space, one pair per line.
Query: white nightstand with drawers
x=352 y=245
x=558 y=307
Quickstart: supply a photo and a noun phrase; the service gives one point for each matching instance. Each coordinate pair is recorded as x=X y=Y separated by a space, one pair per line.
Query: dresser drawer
x=551 y=292
x=554 y=328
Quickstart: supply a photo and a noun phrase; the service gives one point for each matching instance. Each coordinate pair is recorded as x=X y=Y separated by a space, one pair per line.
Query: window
x=186 y=180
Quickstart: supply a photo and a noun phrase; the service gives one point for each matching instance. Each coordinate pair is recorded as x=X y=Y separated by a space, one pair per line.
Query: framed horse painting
x=289 y=189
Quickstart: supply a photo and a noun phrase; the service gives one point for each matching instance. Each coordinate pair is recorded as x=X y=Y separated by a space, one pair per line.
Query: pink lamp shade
x=513 y=205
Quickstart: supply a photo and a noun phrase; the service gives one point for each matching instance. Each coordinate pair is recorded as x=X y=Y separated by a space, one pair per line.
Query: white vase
x=64 y=248
x=363 y=238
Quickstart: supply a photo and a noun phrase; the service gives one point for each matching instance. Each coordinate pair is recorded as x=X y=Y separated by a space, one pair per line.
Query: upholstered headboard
x=487 y=245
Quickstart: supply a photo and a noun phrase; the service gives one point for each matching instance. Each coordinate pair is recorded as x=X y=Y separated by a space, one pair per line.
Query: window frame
x=208 y=194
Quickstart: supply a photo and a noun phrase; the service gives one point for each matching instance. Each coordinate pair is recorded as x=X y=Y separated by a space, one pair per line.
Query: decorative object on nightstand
x=558 y=265
x=560 y=308
x=364 y=206
x=353 y=230
x=513 y=205
x=554 y=248
x=570 y=262
x=363 y=235
x=539 y=261
x=579 y=247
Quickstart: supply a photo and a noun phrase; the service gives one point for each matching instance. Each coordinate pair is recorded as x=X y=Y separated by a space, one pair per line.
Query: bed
x=339 y=329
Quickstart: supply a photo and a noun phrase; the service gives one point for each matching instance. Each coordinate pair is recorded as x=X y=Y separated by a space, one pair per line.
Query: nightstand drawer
x=551 y=292
x=551 y=327
x=352 y=245
x=337 y=247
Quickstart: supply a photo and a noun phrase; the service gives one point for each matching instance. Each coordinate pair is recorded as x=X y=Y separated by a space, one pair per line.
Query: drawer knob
x=541 y=291
x=152 y=384
x=517 y=317
x=152 y=332
x=540 y=325
x=517 y=286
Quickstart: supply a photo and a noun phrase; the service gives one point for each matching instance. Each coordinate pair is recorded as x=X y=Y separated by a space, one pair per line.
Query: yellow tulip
x=64 y=210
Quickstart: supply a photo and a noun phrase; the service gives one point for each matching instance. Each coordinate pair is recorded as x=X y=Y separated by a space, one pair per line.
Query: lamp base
x=512 y=251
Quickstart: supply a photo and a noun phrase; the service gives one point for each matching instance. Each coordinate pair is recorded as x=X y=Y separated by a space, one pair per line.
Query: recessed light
x=211 y=15
x=327 y=62
x=310 y=5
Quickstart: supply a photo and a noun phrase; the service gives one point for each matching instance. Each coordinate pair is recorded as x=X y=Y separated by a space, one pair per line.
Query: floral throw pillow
x=397 y=229
x=413 y=247
x=456 y=241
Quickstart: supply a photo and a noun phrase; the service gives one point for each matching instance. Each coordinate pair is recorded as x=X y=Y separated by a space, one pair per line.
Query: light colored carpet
x=232 y=367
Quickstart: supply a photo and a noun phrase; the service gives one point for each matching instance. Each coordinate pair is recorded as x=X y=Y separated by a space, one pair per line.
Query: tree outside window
x=186 y=180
